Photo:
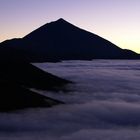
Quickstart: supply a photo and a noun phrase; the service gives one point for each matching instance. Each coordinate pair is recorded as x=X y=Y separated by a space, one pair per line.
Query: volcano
x=61 y=40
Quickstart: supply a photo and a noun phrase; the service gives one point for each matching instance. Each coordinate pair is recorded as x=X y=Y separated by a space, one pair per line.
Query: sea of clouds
x=102 y=104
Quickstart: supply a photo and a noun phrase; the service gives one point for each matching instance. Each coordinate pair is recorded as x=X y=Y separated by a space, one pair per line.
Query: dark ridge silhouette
x=60 y=40
x=16 y=78
x=30 y=76
x=12 y=51
x=14 y=97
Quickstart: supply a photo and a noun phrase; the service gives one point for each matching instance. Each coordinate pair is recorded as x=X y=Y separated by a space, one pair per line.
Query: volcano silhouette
x=60 y=40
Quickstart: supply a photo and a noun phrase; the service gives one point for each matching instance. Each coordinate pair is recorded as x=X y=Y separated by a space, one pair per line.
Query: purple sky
x=115 y=20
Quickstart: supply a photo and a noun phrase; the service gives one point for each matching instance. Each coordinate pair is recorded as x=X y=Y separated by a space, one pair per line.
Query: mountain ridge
x=61 y=40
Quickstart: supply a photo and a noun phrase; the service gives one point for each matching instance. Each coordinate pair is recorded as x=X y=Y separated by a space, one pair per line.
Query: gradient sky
x=115 y=20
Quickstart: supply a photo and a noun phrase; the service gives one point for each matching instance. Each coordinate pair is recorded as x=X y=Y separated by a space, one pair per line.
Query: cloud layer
x=103 y=104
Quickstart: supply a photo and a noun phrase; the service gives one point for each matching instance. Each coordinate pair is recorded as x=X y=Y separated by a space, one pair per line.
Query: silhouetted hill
x=29 y=76
x=16 y=78
x=13 y=97
x=60 y=40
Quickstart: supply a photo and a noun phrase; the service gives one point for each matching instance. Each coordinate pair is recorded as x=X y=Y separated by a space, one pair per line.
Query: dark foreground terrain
x=16 y=80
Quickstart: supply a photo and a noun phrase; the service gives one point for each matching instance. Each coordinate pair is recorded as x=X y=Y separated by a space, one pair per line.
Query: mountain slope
x=29 y=76
x=16 y=80
x=60 y=40
x=14 y=96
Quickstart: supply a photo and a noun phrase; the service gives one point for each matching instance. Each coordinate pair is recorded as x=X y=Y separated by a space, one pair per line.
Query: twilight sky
x=115 y=20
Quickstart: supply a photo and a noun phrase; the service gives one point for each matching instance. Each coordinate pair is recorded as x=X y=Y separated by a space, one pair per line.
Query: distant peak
x=61 y=19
